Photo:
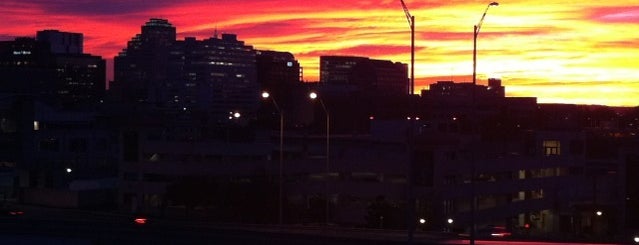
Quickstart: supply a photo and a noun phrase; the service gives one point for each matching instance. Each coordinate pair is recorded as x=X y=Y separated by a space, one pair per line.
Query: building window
x=552 y=147
x=537 y=194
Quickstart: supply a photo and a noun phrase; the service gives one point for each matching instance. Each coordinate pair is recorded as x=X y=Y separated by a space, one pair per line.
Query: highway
x=73 y=227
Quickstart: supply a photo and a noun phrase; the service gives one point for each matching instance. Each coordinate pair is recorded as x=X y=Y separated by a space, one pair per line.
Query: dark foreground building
x=55 y=150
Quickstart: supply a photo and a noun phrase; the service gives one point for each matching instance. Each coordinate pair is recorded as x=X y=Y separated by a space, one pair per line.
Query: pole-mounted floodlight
x=315 y=96
x=411 y=24
x=267 y=95
x=476 y=29
x=475 y=34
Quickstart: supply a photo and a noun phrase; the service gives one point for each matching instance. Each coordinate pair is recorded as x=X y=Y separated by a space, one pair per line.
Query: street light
x=411 y=23
x=266 y=95
x=475 y=33
x=234 y=115
x=476 y=29
x=314 y=96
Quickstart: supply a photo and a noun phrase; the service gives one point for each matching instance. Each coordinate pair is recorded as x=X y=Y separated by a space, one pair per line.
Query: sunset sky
x=582 y=52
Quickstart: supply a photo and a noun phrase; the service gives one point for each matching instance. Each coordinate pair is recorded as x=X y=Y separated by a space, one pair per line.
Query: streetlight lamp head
x=265 y=95
x=312 y=95
x=494 y=4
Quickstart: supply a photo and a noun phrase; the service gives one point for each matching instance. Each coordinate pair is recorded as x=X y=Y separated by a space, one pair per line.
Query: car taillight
x=140 y=221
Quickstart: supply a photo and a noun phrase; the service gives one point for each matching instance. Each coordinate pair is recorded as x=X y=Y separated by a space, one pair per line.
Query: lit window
x=289 y=64
x=551 y=147
x=36 y=125
x=21 y=52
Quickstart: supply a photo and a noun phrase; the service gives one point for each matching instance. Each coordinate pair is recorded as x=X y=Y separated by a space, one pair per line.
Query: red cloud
x=617 y=14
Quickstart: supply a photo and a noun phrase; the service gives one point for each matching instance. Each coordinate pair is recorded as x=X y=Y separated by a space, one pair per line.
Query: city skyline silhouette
x=556 y=51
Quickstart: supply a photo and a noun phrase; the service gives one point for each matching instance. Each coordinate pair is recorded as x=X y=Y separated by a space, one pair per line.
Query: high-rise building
x=364 y=74
x=216 y=75
x=62 y=42
x=338 y=70
x=53 y=68
x=381 y=76
x=277 y=71
x=141 y=69
x=23 y=69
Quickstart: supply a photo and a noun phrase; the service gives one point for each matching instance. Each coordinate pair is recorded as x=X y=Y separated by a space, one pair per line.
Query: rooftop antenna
x=215 y=32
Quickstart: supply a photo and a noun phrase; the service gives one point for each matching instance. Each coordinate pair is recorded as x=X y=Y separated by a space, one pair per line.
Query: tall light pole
x=411 y=90
x=475 y=34
x=314 y=96
x=266 y=95
x=473 y=204
x=411 y=24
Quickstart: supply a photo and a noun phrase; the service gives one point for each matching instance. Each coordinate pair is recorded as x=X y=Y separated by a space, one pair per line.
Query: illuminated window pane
x=551 y=147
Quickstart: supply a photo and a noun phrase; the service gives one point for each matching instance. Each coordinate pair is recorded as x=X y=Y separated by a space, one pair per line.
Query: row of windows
x=492 y=201
x=291 y=178
x=511 y=175
x=195 y=158
x=549 y=147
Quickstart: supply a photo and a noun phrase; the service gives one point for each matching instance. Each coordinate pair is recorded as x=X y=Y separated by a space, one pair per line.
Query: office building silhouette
x=52 y=68
x=217 y=75
x=365 y=75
